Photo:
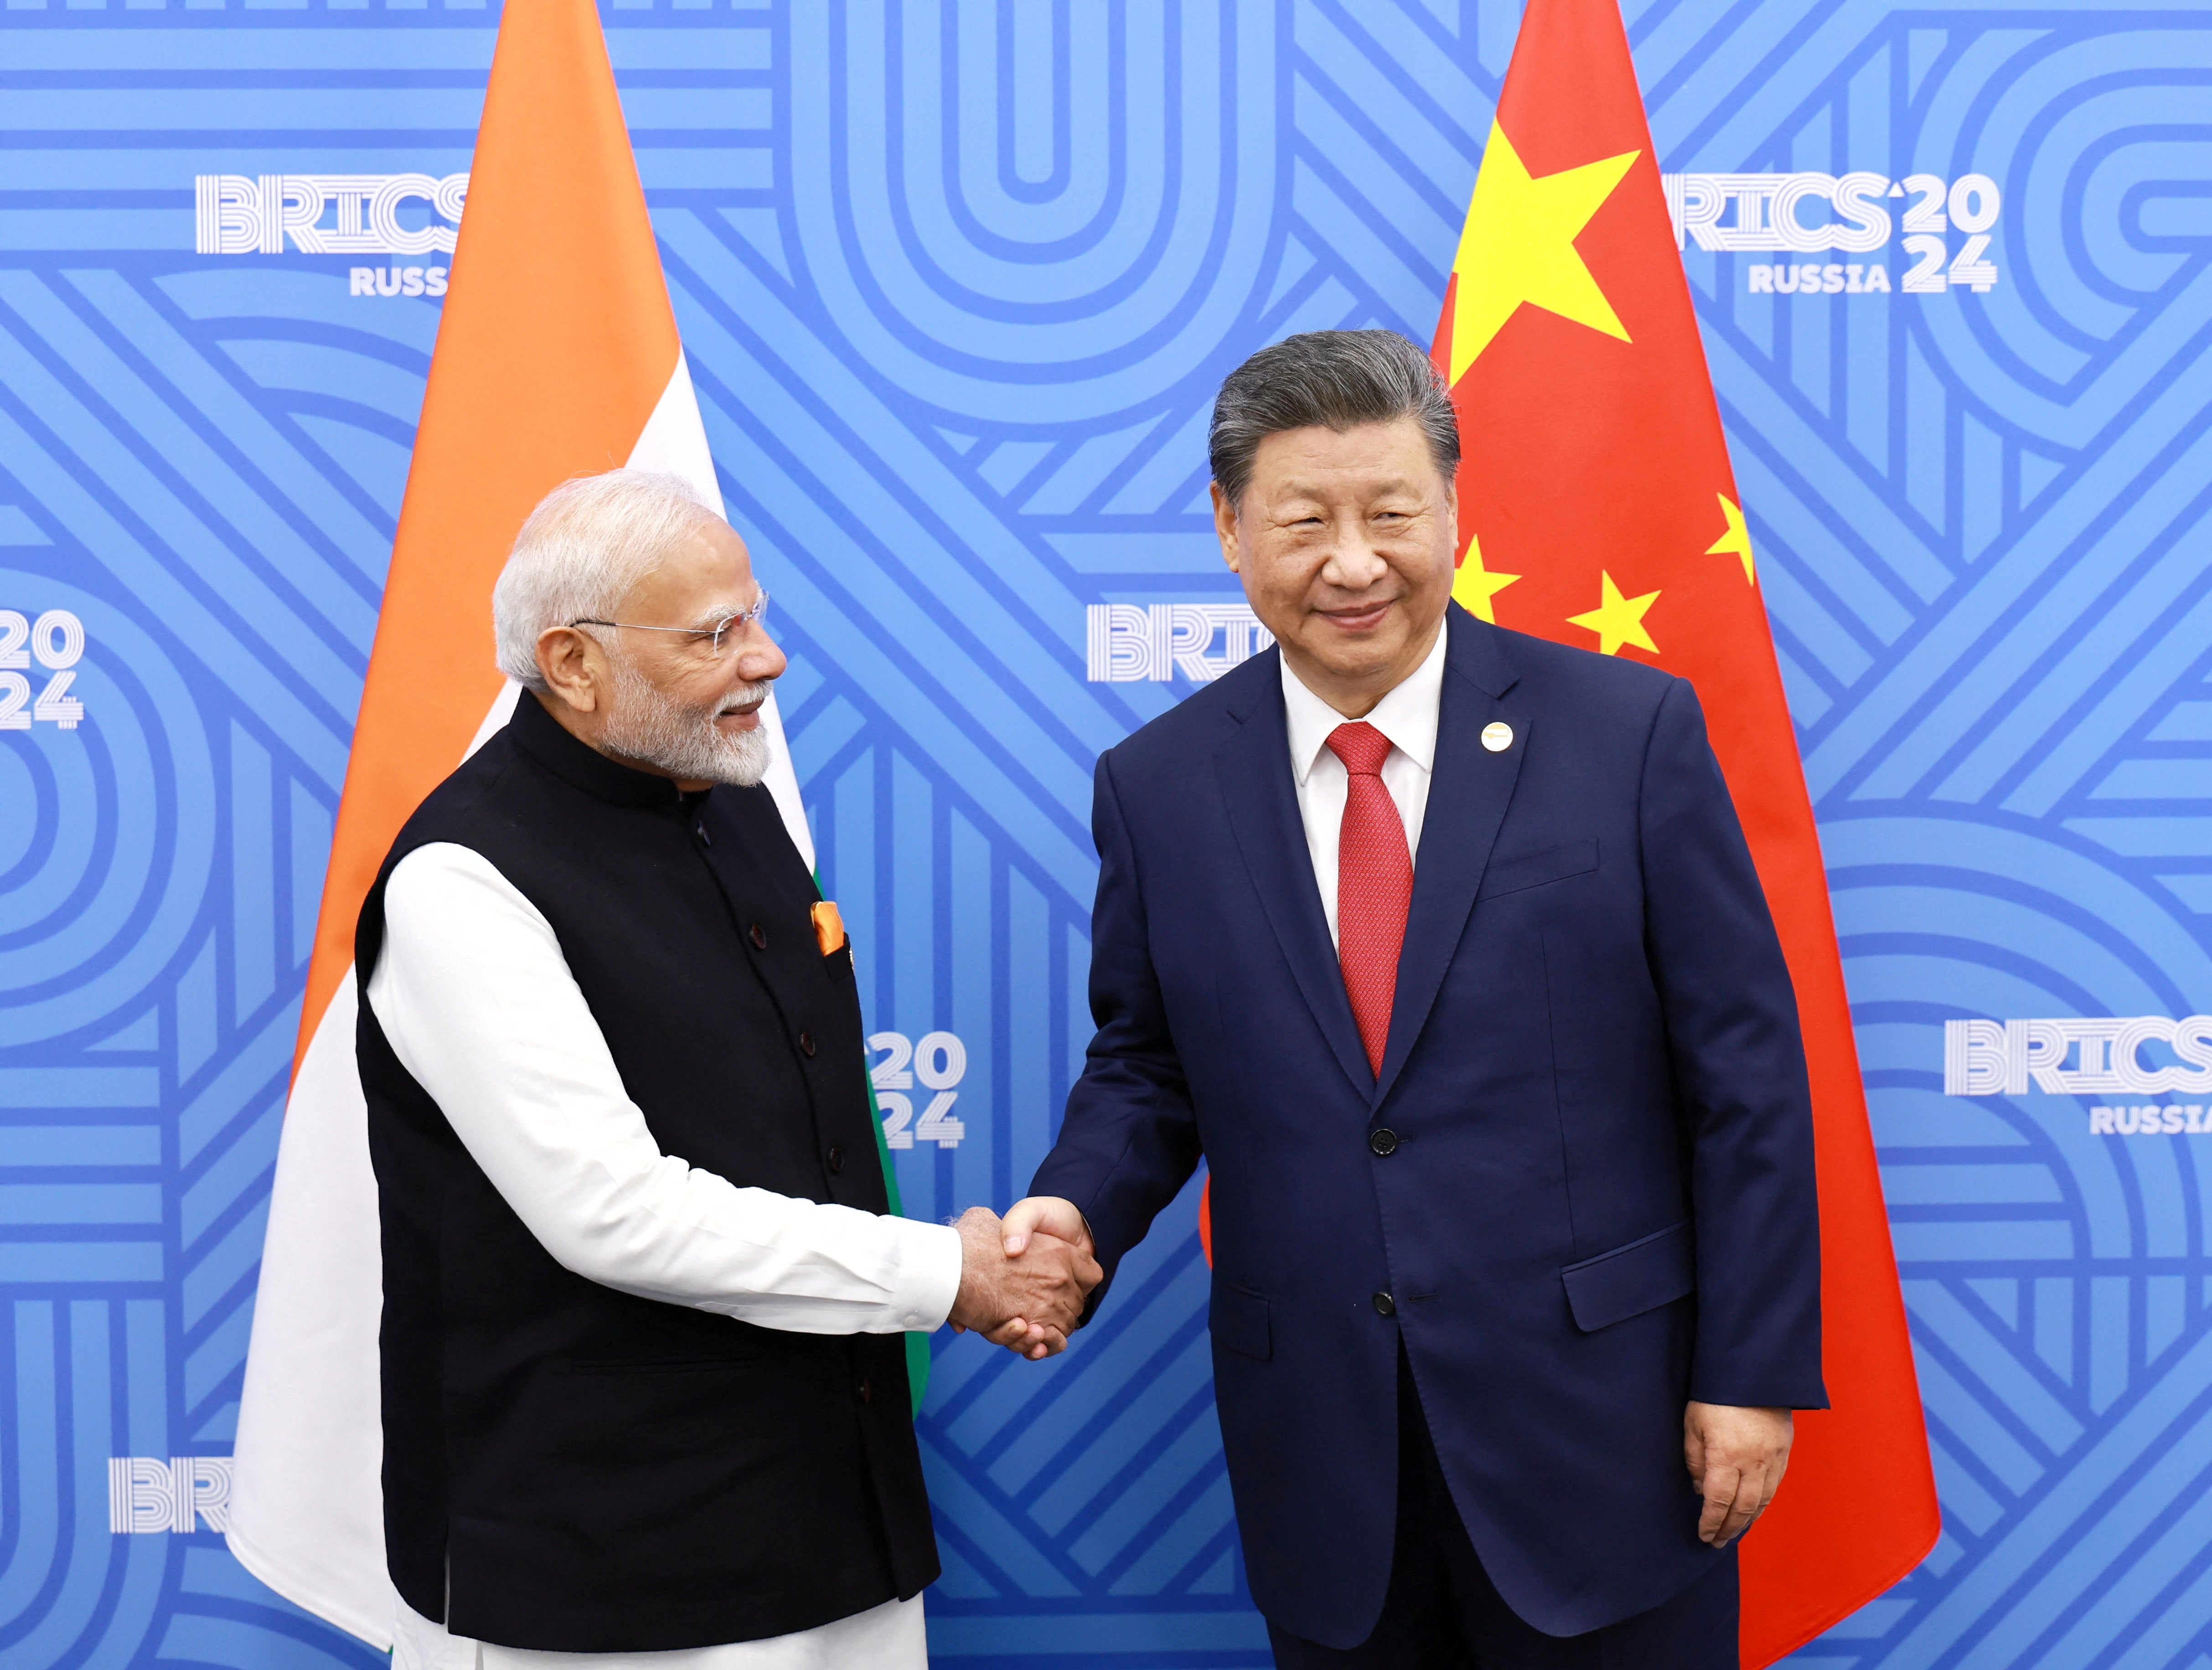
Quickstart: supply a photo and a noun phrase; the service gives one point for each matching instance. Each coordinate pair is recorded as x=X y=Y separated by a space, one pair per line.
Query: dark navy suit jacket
x=1600 y=1202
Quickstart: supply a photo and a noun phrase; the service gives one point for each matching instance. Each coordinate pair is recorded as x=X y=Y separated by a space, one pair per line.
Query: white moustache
x=748 y=698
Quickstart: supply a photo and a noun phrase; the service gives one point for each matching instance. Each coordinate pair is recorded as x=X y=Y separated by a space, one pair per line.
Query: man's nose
x=1353 y=564
x=759 y=657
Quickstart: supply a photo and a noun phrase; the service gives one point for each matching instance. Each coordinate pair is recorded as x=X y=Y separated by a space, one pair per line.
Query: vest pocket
x=1241 y=1322
x=1631 y=1279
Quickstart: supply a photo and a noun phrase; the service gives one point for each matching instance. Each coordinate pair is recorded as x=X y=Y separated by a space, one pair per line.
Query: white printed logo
x=2149 y=1121
x=325 y=213
x=146 y=1494
x=56 y=639
x=1126 y=643
x=1770 y=214
x=2076 y=1057
x=335 y=215
x=939 y=1061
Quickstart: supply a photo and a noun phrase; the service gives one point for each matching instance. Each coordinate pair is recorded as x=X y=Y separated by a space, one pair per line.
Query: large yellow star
x=1519 y=245
x=1475 y=586
x=1736 y=542
x=1617 y=620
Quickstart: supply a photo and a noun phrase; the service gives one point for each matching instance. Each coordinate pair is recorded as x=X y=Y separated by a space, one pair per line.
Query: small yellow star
x=1617 y=620
x=1736 y=542
x=1475 y=586
x=1519 y=245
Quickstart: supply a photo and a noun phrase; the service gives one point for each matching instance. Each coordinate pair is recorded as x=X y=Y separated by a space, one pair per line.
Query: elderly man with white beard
x=644 y=1386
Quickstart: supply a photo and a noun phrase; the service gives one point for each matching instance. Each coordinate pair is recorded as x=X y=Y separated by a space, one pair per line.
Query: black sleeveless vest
x=571 y=1468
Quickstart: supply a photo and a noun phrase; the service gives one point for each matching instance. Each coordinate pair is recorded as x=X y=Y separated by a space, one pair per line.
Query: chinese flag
x=1597 y=508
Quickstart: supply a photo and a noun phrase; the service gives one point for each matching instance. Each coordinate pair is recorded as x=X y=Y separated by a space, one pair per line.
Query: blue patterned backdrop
x=957 y=281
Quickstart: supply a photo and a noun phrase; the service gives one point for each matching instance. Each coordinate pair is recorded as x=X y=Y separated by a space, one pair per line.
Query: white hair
x=647 y=726
x=587 y=544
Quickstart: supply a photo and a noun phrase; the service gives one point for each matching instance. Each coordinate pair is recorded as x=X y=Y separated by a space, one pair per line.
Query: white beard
x=647 y=726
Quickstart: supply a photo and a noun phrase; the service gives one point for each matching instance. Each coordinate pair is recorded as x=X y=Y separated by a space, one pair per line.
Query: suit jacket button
x=1383 y=1139
x=700 y=829
x=806 y=1043
x=760 y=936
x=1385 y=1305
x=867 y=1392
x=836 y=1156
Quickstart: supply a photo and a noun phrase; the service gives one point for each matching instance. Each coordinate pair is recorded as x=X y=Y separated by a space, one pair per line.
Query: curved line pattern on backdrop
x=1067 y=329
x=955 y=400
x=182 y=474
x=106 y=913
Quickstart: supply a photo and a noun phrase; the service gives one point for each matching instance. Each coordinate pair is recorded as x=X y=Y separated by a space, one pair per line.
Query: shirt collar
x=1407 y=716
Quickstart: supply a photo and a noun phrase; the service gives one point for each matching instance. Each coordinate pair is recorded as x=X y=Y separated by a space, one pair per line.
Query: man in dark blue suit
x=1442 y=946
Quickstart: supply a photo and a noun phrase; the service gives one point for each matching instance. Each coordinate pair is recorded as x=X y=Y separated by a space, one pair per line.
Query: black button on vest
x=577 y=1470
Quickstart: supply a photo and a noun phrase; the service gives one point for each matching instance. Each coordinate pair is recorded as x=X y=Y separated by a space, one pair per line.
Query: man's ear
x=571 y=669
x=1224 y=529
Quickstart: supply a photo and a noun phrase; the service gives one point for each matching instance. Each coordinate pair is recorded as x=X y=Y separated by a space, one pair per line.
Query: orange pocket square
x=828 y=927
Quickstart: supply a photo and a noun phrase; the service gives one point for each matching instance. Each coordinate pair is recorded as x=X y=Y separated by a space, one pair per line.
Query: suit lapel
x=1468 y=791
x=1256 y=784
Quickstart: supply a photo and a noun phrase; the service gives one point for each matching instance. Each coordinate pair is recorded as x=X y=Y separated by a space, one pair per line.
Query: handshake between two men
x=1025 y=1279
x=1516 y=1196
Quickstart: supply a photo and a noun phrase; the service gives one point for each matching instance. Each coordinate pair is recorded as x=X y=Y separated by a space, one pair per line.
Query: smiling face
x=1344 y=541
x=666 y=702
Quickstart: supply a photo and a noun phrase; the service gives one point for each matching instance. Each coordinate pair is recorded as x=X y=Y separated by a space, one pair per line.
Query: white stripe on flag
x=674 y=443
x=307 y=1504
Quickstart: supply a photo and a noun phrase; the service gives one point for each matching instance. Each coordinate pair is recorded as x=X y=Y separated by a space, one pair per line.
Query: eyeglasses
x=729 y=628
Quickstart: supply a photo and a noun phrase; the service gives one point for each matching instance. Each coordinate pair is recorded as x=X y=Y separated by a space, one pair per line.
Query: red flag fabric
x=1597 y=508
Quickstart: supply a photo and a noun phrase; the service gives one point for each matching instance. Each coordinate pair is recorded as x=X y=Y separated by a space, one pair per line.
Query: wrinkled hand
x=1046 y=1219
x=1029 y=1303
x=1736 y=1459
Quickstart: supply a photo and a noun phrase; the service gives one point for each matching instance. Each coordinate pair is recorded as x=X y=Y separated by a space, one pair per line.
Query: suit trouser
x=1442 y=1613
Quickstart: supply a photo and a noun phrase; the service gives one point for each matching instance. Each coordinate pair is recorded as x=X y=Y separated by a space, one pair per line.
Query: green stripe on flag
x=917 y=1343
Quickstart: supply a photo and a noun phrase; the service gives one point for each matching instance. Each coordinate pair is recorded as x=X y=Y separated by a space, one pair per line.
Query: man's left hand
x=1736 y=1459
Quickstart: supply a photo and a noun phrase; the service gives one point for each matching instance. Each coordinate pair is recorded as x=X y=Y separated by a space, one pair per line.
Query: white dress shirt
x=478 y=1004
x=1408 y=716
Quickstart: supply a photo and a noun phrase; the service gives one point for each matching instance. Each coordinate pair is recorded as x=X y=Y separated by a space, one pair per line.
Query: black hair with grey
x=1333 y=379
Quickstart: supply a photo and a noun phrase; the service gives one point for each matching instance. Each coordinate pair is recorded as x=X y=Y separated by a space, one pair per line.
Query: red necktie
x=1374 y=884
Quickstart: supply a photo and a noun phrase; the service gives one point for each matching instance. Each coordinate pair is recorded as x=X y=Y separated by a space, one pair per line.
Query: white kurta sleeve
x=478 y=1004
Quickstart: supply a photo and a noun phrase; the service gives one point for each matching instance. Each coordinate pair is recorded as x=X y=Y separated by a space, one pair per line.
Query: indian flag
x=557 y=356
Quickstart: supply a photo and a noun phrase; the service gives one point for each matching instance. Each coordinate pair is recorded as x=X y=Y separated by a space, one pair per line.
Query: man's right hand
x=1046 y=1214
x=1028 y=1303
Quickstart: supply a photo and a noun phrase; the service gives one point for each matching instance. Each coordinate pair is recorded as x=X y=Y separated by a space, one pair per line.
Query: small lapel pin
x=1498 y=736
